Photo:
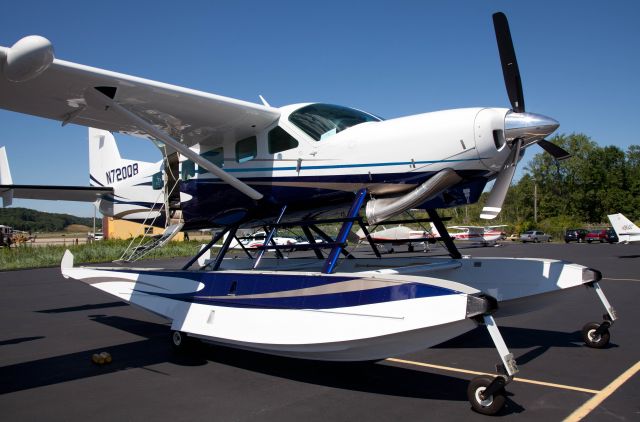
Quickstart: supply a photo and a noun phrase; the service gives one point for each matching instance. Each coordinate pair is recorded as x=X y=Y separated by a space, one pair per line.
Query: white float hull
x=362 y=312
x=342 y=317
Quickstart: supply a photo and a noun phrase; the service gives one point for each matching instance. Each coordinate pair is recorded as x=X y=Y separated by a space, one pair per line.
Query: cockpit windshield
x=321 y=121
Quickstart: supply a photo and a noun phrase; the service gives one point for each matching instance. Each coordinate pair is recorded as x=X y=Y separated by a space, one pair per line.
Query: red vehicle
x=596 y=236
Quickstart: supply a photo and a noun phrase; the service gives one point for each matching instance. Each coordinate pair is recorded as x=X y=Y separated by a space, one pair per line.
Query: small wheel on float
x=594 y=339
x=179 y=340
x=486 y=405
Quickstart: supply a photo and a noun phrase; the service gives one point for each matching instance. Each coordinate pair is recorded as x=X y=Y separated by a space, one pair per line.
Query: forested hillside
x=37 y=221
x=581 y=190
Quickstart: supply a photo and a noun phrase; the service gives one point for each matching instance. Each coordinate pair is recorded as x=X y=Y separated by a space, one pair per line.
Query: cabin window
x=280 y=140
x=321 y=121
x=246 y=149
x=188 y=170
x=215 y=156
x=156 y=181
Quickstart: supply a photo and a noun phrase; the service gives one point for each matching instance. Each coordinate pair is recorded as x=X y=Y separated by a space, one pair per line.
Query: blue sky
x=579 y=62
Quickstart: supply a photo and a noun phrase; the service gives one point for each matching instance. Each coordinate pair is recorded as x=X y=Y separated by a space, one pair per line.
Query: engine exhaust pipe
x=382 y=209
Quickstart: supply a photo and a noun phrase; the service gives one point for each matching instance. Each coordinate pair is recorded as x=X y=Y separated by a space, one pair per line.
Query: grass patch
x=102 y=251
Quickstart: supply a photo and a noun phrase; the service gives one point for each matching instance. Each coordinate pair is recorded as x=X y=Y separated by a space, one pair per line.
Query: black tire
x=591 y=339
x=566 y=241
x=410 y=247
x=491 y=405
x=180 y=341
x=536 y=240
x=589 y=241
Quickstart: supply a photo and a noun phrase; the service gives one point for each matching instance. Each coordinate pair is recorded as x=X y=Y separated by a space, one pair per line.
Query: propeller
x=493 y=205
x=557 y=152
x=510 y=69
x=521 y=128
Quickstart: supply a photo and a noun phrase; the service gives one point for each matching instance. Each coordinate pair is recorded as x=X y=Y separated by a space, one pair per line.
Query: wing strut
x=99 y=99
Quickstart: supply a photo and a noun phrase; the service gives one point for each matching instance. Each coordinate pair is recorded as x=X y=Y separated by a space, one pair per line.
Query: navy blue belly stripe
x=240 y=290
x=333 y=300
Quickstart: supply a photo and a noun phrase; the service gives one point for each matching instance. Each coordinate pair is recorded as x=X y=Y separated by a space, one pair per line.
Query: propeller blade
x=557 y=152
x=499 y=191
x=510 y=69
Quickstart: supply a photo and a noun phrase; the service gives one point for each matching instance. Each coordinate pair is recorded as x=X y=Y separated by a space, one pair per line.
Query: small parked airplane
x=479 y=234
x=397 y=235
x=263 y=166
x=625 y=229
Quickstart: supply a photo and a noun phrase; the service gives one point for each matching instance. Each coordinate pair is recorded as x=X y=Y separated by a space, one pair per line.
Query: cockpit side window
x=280 y=140
x=321 y=121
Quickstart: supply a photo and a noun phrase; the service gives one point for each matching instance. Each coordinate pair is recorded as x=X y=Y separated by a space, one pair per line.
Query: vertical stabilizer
x=5 y=178
x=623 y=226
x=103 y=157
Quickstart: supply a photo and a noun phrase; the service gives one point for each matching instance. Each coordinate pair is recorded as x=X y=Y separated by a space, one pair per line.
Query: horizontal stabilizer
x=56 y=193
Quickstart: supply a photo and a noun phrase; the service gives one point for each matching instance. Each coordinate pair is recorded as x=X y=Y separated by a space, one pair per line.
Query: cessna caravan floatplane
x=246 y=164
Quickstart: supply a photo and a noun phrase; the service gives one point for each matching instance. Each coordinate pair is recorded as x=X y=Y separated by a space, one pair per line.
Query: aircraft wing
x=35 y=83
x=56 y=193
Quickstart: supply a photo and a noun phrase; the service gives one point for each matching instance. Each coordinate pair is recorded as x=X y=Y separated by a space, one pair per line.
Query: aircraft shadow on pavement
x=87 y=307
x=370 y=377
x=519 y=338
x=19 y=340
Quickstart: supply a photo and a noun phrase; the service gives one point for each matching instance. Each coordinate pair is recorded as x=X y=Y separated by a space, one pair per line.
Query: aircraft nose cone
x=530 y=127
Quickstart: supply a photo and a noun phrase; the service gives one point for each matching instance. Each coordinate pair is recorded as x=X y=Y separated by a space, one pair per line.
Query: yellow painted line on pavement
x=602 y=395
x=516 y=379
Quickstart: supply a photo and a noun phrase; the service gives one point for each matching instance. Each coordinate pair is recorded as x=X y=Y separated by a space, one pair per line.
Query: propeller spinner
x=521 y=128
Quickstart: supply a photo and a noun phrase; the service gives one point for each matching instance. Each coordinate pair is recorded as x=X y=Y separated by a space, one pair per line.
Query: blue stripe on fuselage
x=347 y=166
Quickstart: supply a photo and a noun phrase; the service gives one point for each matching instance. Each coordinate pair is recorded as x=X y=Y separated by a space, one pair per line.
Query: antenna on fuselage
x=264 y=102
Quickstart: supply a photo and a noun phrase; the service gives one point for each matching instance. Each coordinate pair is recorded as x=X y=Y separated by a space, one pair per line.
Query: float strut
x=208 y=246
x=225 y=247
x=312 y=241
x=269 y=238
x=332 y=259
x=444 y=234
x=508 y=361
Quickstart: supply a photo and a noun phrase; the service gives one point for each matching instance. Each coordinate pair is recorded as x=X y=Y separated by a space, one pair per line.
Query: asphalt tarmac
x=51 y=327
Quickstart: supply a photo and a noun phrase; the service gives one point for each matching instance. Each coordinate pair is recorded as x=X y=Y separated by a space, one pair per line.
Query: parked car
x=514 y=237
x=599 y=235
x=612 y=236
x=575 y=235
x=535 y=236
x=95 y=236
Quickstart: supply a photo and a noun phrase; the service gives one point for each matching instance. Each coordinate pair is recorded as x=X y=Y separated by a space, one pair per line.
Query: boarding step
x=154 y=243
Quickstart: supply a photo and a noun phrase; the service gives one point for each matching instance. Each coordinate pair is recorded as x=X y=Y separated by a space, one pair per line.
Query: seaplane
x=625 y=229
x=484 y=235
x=244 y=164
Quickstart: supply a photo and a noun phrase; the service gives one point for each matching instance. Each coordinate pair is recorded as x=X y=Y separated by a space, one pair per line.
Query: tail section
x=434 y=231
x=623 y=226
x=106 y=166
x=5 y=178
